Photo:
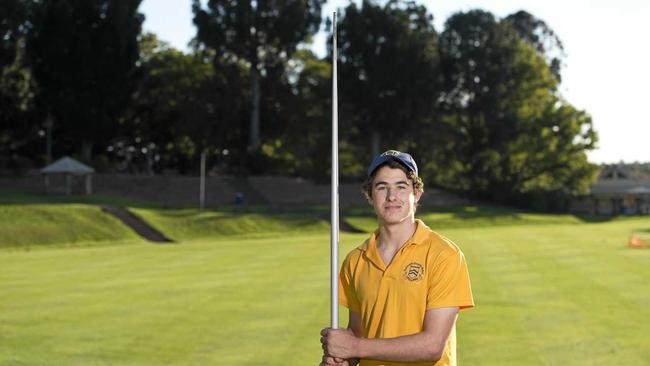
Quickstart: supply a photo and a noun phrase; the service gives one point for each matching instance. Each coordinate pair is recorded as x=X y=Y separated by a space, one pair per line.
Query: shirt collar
x=418 y=237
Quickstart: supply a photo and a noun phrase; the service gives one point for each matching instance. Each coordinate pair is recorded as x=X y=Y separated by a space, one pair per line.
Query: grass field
x=28 y=226
x=550 y=290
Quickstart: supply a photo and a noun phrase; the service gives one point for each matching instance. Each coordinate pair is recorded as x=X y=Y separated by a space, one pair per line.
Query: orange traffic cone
x=637 y=242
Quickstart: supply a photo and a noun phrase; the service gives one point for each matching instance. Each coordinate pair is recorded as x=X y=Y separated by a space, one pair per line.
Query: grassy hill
x=32 y=220
x=29 y=220
x=185 y=224
x=29 y=225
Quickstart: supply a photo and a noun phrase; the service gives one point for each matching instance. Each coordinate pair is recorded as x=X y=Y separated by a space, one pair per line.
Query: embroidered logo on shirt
x=414 y=271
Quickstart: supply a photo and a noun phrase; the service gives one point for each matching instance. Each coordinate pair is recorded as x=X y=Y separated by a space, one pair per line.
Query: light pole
x=204 y=154
x=49 y=123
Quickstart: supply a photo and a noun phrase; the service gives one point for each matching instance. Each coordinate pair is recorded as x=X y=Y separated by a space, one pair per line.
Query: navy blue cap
x=403 y=158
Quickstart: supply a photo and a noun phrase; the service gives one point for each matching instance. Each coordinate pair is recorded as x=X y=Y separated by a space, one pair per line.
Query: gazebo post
x=89 y=184
x=47 y=182
x=68 y=184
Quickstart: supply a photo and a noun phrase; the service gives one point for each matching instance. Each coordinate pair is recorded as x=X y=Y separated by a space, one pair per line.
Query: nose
x=390 y=196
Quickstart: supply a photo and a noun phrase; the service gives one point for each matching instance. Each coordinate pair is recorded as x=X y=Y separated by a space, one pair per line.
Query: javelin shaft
x=334 y=237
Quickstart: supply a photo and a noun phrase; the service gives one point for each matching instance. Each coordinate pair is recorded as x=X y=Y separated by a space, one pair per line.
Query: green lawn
x=27 y=226
x=187 y=224
x=561 y=291
x=471 y=216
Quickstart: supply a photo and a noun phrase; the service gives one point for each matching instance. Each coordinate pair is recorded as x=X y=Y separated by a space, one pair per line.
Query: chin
x=393 y=219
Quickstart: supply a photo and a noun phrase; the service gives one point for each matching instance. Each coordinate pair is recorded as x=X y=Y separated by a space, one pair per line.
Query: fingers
x=341 y=361
x=333 y=361
x=324 y=331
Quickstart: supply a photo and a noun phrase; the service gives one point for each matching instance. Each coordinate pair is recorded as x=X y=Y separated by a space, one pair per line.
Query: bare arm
x=356 y=327
x=427 y=345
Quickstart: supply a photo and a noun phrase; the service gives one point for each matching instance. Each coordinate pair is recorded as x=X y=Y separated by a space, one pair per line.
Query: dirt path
x=136 y=223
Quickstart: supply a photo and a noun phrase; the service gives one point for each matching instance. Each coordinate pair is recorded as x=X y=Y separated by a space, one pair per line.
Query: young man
x=404 y=286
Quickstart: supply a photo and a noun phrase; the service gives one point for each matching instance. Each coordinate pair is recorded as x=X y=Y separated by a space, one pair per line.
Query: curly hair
x=366 y=186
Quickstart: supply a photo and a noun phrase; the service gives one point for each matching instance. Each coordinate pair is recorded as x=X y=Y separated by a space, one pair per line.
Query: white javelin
x=334 y=237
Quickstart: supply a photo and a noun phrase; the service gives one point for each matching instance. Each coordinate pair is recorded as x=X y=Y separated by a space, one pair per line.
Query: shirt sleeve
x=347 y=292
x=449 y=283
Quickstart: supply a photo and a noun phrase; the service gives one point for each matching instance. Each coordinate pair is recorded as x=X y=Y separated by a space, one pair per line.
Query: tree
x=388 y=72
x=299 y=147
x=18 y=129
x=180 y=107
x=83 y=57
x=261 y=34
x=13 y=14
x=511 y=132
x=539 y=35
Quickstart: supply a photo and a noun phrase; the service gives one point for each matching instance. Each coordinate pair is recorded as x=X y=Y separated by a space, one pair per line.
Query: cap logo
x=391 y=153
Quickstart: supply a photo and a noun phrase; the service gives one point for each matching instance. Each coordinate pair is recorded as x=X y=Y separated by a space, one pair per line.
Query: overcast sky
x=606 y=71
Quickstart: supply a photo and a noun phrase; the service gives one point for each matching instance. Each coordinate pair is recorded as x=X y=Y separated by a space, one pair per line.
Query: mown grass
x=33 y=220
x=545 y=296
x=184 y=224
x=474 y=216
x=568 y=292
x=203 y=302
x=557 y=295
x=26 y=226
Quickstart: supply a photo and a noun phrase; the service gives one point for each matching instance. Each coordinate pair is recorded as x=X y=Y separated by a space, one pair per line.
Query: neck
x=395 y=235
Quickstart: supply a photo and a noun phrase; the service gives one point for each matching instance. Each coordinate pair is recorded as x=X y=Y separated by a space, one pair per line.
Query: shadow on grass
x=480 y=215
x=595 y=219
x=498 y=213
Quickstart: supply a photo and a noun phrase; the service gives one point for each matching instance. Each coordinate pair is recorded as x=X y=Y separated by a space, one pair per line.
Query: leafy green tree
x=180 y=107
x=299 y=147
x=83 y=57
x=13 y=15
x=388 y=74
x=511 y=133
x=18 y=120
x=537 y=33
x=263 y=35
x=18 y=127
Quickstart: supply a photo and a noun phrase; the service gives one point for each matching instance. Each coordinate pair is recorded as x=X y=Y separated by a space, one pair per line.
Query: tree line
x=477 y=103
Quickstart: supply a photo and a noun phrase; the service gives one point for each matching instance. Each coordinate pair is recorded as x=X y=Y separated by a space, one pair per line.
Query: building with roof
x=68 y=168
x=618 y=190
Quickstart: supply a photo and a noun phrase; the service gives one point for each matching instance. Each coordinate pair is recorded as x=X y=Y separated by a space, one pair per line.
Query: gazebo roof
x=67 y=165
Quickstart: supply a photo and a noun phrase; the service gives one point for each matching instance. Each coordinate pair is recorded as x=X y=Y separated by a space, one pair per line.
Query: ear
x=418 y=195
x=368 y=197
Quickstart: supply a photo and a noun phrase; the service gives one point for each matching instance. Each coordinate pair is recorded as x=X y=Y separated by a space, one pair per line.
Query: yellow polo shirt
x=428 y=271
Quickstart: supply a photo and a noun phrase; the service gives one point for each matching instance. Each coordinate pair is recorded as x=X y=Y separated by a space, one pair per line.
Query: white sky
x=606 y=68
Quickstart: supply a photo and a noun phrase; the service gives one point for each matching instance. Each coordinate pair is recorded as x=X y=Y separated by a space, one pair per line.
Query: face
x=393 y=196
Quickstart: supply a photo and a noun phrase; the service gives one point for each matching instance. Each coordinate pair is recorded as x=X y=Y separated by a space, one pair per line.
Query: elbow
x=434 y=355
x=434 y=352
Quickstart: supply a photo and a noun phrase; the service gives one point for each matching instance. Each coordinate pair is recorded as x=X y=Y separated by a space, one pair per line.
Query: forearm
x=420 y=347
